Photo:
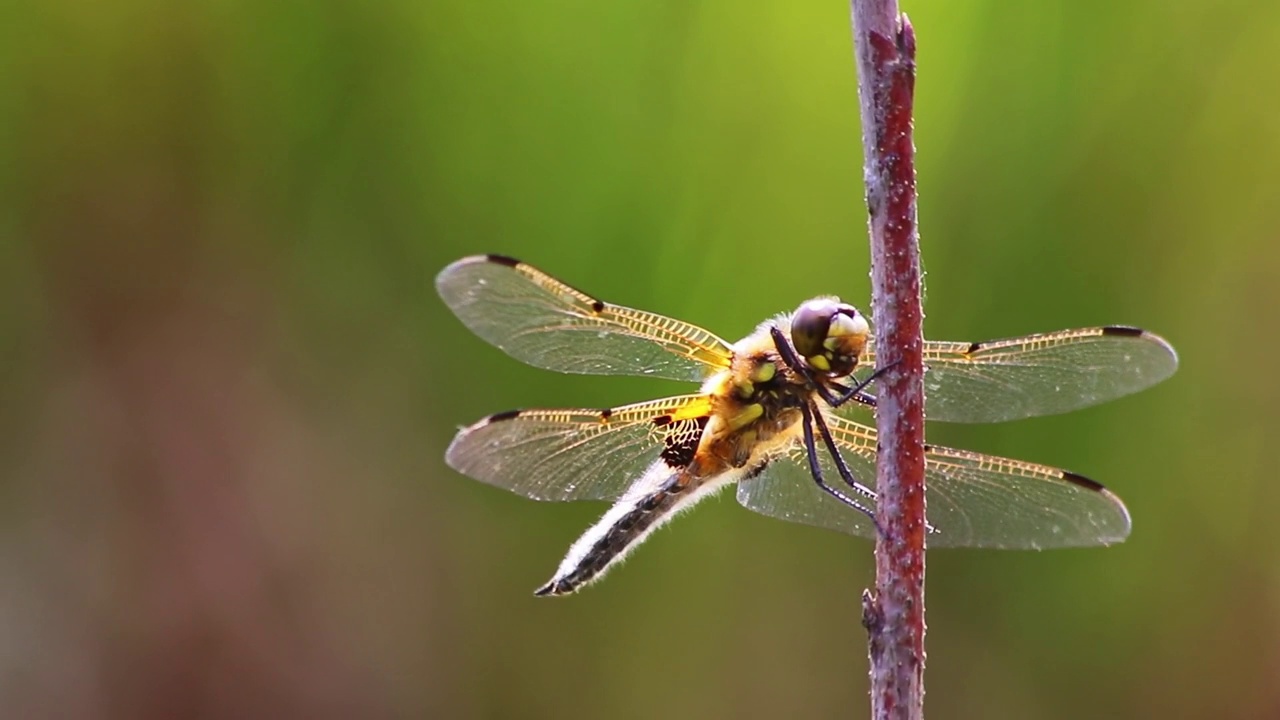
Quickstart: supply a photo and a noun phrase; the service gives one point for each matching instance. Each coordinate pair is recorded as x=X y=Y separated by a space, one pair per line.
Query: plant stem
x=884 y=43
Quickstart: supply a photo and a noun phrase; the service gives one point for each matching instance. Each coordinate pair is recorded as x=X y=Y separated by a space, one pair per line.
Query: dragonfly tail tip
x=551 y=589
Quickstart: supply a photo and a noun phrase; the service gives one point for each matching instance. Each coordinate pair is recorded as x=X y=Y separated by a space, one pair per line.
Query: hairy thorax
x=755 y=410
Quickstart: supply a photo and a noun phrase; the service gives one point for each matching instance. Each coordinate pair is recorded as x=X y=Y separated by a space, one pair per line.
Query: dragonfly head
x=829 y=335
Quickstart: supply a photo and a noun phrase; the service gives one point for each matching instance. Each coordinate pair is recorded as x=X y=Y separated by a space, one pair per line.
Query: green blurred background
x=227 y=382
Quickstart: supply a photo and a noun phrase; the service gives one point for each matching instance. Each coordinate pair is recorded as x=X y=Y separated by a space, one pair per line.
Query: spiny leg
x=815 y=469
x=841 y=467
x=811 y=415
x=864 y=398
x=797 y=365
x=855 y=392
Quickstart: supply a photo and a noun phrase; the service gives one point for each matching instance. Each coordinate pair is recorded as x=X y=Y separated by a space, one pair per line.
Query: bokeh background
x=226 y=382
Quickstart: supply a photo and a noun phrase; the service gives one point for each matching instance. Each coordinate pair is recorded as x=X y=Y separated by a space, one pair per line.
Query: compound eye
x=848 y=322
x=809 y=326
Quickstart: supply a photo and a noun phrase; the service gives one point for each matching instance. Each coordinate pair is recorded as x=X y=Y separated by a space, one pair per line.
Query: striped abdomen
x=628 y=522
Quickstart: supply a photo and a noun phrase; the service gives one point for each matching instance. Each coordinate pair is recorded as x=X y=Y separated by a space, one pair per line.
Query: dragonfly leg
x=788 y=355
x=854 y=392
x=845 y=473
x=843 y=469
x=815 y=469
x=798 y=366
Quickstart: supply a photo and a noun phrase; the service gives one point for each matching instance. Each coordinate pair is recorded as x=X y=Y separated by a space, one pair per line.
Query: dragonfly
x=776 y=416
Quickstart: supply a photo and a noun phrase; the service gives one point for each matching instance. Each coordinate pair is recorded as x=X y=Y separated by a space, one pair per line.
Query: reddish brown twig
x=894 y=614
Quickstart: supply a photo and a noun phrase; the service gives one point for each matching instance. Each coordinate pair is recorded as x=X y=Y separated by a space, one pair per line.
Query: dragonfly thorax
x=757 y=406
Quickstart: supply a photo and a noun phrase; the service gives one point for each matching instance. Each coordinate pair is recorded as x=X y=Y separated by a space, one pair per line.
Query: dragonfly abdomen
x=628 y=522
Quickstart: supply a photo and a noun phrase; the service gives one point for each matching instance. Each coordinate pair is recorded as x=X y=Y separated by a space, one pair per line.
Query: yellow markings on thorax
x=753 y=404
x=747 y=415
x=762 y=373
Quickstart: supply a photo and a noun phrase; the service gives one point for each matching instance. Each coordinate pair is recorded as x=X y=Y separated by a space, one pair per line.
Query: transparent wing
x=579 y=454
x=541 y=321
x=1038 y=374
x=974 y=500
x=785 y=490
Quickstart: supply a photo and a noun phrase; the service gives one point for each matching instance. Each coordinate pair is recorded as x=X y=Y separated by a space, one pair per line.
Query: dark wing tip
x=1121 y=524
x=502 y=260
x=1123 y=331
x=1150 y=337
x=504 y=415
x=1083 y=482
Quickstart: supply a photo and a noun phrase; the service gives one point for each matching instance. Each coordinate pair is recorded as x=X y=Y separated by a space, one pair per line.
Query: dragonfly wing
x=541 y=321
x=785 y=490
x=974 y=500
x=579 y=454
x=1039 y=374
